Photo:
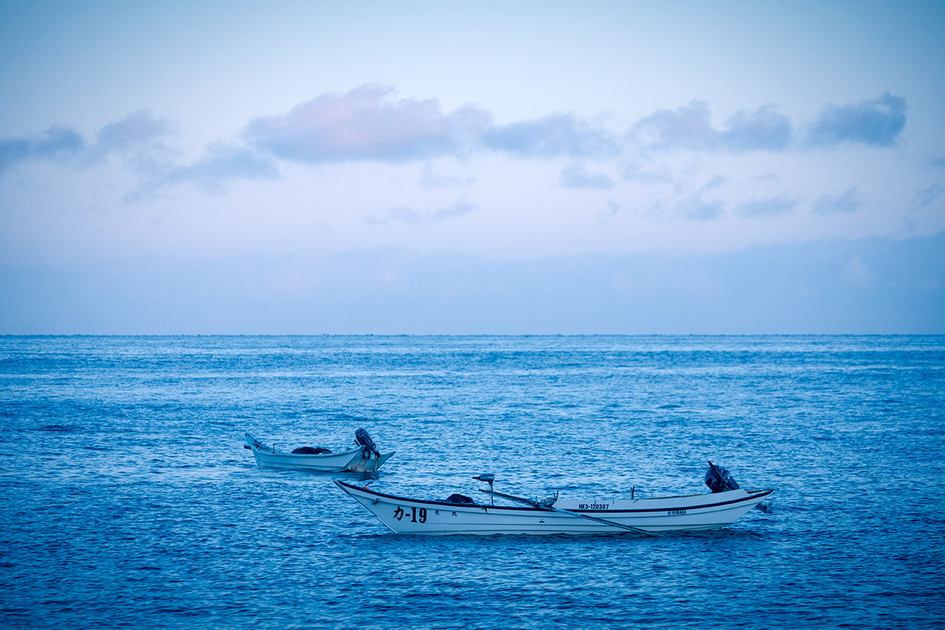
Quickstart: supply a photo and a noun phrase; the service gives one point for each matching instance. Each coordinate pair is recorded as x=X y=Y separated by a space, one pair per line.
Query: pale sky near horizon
x=420 y=167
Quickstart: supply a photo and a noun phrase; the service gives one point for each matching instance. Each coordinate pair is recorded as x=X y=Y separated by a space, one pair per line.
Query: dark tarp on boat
x=459 y=498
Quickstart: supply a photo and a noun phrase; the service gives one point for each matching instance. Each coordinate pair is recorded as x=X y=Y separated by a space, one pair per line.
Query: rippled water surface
x=128 y=498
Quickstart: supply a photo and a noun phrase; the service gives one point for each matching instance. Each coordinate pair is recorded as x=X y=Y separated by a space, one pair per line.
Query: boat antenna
x=490 y=479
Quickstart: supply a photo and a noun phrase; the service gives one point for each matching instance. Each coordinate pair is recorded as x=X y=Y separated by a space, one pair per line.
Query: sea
x=129 y=500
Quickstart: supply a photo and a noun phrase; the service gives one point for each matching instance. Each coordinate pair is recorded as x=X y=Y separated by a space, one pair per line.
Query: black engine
x=718 y=479
x=361 y=437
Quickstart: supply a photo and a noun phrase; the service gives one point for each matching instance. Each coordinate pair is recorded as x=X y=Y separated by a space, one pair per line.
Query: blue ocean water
x=128 y=500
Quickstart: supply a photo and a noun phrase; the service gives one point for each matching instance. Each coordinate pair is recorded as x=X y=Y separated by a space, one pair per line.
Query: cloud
x=927 y=196
x=878 y=122
x=369 y=124
x=429 y=179
x=57 y=142
x=221 y=164
x=458 y=208
x=686 y=128
x=695 y=208
x=138 y=129
x=553 y=136
x=411 y=216
x=576 y=176
x=698 y=206
x=715 y=182
x=771 y=207
x=765 y=177
x=364 y=125
x=610 y=211
x=762 y=130
x=642 y=174
x=135 y=135
x=788 y=288
x=690 y=128
x=846 y=203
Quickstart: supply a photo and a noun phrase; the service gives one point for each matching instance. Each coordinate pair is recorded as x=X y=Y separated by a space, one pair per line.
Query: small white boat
x=460 y=515
x=364 y=457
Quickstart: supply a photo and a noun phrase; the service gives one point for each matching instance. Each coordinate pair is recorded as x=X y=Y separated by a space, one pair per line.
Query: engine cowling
x=719 y=480
x=364 y=440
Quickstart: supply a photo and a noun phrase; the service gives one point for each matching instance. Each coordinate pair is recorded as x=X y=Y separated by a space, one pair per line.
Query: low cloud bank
x=861 y=286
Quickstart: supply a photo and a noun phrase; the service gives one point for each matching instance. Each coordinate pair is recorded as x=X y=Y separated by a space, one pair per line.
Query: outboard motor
x=718 y=479
x=361 y=437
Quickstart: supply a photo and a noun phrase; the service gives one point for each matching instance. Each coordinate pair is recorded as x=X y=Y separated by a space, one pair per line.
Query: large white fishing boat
x=462 y=515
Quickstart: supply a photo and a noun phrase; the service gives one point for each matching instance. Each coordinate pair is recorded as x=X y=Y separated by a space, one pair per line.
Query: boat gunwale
x=269 y=451
x=753 y=494
x=258 y=446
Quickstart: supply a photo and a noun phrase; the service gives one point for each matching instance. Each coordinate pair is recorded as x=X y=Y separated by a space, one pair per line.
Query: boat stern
x=368 y=463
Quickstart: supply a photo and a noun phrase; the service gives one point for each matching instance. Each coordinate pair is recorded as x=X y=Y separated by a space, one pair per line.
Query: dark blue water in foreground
x=128 y=500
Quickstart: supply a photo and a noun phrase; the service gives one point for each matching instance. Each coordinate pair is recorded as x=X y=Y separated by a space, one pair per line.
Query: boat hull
x=690 y=513
x=351 y=460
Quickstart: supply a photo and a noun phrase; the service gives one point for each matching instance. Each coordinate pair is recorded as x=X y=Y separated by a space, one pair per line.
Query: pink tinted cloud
x=364 y=124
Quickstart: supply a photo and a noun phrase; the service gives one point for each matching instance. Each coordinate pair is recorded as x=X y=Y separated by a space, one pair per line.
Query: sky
x=472 y=168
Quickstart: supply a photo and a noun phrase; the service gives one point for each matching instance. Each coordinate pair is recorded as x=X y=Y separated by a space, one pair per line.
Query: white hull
x=686 y=513
x=354 y=460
